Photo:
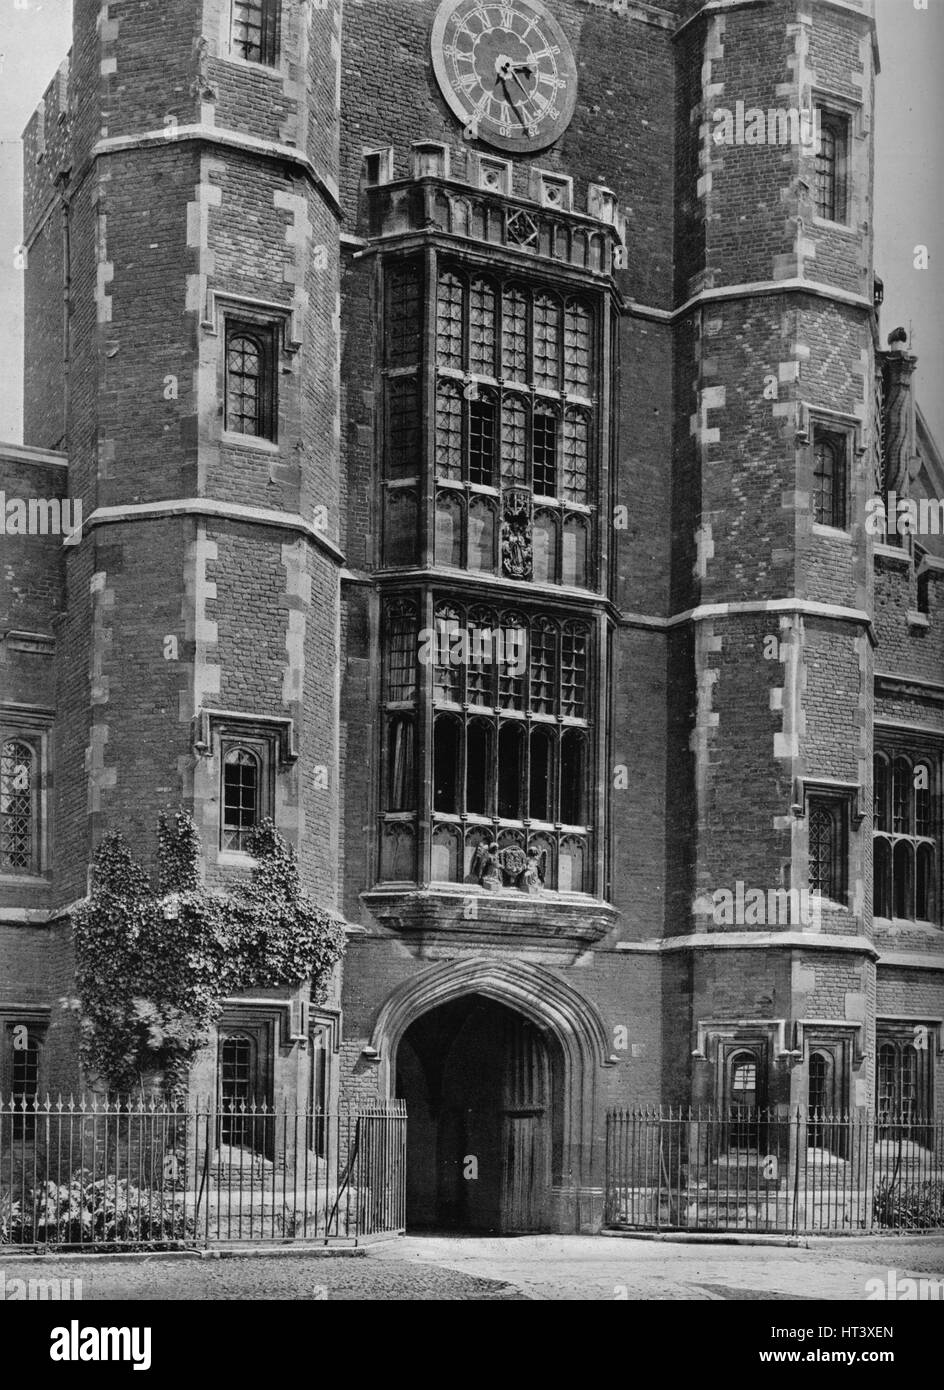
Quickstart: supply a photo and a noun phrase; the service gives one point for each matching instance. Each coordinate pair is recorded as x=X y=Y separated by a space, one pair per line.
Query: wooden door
x=525 y=1129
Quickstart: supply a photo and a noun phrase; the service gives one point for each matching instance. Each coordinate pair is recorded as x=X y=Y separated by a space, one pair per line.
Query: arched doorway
x=482 y=1085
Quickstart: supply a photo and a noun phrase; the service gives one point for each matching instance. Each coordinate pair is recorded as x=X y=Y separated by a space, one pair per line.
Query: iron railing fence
x=104 y=1173
x=763 y=1171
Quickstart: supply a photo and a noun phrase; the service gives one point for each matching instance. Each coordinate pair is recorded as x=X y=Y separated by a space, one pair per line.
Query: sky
x=909 y=179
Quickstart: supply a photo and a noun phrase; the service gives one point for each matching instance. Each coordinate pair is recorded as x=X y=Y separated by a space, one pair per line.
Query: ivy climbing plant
x=155 y=962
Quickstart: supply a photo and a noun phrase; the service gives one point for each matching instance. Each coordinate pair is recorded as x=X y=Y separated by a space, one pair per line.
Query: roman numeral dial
x=506 y=71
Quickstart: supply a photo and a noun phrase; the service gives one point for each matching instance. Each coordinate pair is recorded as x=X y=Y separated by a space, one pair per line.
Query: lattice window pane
x=449 y=322
x=544 y=452
x=513 y=441
x=546 y=342
x=448 y=431
x=482 y=441
x=481 y=666
x=403 y=440
x=576 y=348
x=401 y=652
x=403 y=316
x=543 y=668
x=482 y=328
x=256 y=30
x=514 y=335
x=446 y=675
x=576 y=456
x=16 y=806
x=574 y=644
x=514 y=652
x=823 y=851
x=244 y=368
x=240 y=798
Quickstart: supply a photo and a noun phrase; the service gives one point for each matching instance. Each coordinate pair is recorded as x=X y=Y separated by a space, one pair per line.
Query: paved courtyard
x=545 y=1268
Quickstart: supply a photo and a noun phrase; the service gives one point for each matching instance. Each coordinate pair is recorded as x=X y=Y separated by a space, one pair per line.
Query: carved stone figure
x=516 y=535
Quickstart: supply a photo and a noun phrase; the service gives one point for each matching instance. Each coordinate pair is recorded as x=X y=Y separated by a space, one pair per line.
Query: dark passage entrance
x=480 y=1082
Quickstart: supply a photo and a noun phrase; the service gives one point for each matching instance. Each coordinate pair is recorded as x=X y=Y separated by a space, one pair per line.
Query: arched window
x=448 y=431
x=829 y=480
x=544 y=548
x=19 y=839
x=513 y=661
x=576 y=456
x=242 y=785
x=482 y=340
x=541 y=784
x=572 y=868
x=513 y=441
x=511 y=739
x=445 y=854
x=514 y=355
x=401 y=769
x=881 y=819
x=574 y=555
x=403 y=428
x=925 y=896
x=483 y=437
x=577 y=348
x=826 y=849
x=481 y=534
x=448 y=529
x=400 y=526
x=544 y=432
x=574 y=651
x=882 y=878
x=906 y=837
x=401 y=651
x=447 y=675
x=819 y=1084
x=250 y=381
x=450 y=334
x=547 y=344
x=922 y=783
x=398 y=853
x=573 y=793
x=903 y=866
x=446 y=764
x=543 y=667
x=478 y=768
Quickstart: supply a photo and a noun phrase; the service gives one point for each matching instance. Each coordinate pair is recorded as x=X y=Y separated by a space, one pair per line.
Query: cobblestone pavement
x=544 y=1268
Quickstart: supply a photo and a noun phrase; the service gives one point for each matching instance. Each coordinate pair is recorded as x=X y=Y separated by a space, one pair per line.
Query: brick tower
x=198 y=193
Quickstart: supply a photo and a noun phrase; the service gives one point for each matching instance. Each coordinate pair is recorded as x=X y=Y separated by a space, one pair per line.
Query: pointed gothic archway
x=545 y=1124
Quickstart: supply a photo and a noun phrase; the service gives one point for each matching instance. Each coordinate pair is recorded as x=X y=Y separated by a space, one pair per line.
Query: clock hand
x=523 y=123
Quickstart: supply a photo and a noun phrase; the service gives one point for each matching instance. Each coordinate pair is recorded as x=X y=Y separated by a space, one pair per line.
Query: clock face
x=506 y=70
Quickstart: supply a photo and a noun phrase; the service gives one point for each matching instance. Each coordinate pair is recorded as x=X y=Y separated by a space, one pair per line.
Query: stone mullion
x=427 y=370
x=424 y=751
